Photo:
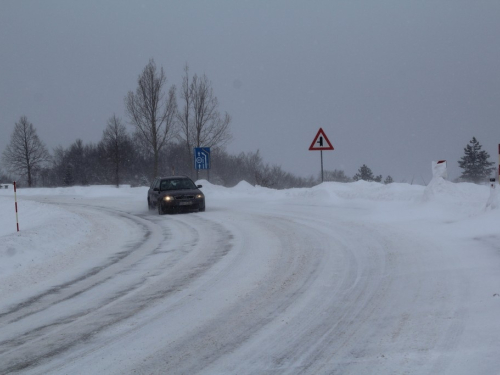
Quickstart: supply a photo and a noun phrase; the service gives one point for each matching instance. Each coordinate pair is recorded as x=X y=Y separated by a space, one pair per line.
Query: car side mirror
x=199 y=186
x=156 y=189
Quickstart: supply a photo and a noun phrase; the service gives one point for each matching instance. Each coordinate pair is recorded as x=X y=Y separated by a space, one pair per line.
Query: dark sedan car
x=175 y=194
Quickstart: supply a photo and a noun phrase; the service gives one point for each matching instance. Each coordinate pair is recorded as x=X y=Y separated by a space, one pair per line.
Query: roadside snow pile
x=83 y=191
x=242 y=190
x=467 y=197
x=439 y=187
x=46 y=232
x=327 y=192
x=375 y=191
x=463 y=191
x=470 y=197
x=321 y=194
x=214 y=191
x=244 y=186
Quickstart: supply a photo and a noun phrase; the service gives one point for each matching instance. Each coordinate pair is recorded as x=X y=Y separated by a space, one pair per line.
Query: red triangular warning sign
x=320 y=142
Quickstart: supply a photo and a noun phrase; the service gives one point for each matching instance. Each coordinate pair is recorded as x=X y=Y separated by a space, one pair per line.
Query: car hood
x=181 y=192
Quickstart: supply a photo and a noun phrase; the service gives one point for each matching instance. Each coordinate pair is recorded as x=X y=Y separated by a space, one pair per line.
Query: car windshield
x=177 y=184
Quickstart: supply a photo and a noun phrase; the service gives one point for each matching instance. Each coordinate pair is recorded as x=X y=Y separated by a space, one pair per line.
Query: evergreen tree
x=76 y=157
x=365 y=174
x=117 y=146
x=475 y=164
x=388 y=180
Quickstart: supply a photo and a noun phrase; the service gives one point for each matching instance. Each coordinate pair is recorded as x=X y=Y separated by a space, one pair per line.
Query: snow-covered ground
x=358 y=278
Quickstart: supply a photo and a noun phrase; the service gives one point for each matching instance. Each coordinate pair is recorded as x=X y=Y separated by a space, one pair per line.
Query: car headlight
x=168 y=198
x=199 y=196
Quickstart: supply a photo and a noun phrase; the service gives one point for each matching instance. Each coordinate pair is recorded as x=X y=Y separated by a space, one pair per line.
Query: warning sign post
x=320 y=143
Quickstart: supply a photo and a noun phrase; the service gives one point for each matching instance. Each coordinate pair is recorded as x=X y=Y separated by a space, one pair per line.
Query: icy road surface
x=355 y=278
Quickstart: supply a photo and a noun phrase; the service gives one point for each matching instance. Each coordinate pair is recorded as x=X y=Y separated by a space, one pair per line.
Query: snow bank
x=81 y=191
x=244 y=186
x=243 y=190
x=328 y=192
x=375 y=191
x=462 y=197
x=46 y=231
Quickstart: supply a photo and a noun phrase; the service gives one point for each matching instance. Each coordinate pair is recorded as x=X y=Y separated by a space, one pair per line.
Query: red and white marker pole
x=15 y=199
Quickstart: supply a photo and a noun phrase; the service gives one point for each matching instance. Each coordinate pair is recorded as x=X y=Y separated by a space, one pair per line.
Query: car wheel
x=150 y=206
x=160 y=209
x=201 y=209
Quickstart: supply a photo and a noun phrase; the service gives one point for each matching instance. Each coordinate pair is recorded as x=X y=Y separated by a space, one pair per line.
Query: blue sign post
x=202 y=158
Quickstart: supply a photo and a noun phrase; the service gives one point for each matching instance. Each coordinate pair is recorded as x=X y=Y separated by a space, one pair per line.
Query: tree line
x=122 y=158
x=165 y=133
x=475 y=166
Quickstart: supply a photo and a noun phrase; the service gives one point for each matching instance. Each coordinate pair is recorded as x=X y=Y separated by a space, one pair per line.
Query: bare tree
x=151 y=111
x=115 y=141
x=336 y=175
x=202 y=125
x=184 y=115
x=25 y=154
x=211 y=129
x=77 y=167
x=4 y=177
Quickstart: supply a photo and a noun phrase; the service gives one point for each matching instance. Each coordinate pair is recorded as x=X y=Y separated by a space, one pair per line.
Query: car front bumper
x=183 y=204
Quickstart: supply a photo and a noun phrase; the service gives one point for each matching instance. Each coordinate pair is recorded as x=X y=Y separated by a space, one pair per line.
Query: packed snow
x=354 y=278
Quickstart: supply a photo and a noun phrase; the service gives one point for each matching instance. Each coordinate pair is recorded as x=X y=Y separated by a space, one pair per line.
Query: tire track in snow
x=44 y=318
x=320 y=295
x=366 y=323
x=293 y=270
x=277 y=324
x=80 y=284
x=351 y=302
x=351 y=283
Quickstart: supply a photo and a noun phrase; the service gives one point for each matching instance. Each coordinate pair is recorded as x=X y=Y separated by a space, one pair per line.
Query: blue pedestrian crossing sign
x=202 y=158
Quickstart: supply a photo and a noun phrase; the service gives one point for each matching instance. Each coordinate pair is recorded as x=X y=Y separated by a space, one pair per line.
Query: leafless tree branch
x=153 y=115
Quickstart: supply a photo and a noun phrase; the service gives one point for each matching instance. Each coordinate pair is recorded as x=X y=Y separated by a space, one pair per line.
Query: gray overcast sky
x=394 y=84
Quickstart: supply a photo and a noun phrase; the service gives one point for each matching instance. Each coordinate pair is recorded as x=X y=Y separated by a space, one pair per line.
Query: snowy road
x=263 y=282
